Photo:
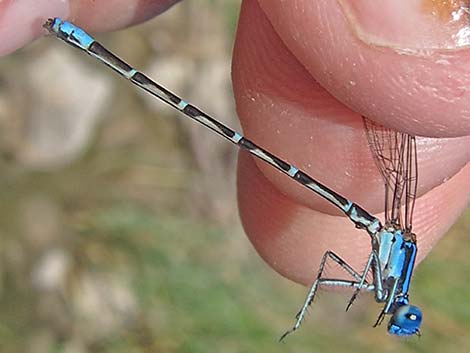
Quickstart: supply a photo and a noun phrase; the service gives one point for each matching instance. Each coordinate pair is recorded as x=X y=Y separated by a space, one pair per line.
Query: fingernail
x=21 y=21
x=410 y=24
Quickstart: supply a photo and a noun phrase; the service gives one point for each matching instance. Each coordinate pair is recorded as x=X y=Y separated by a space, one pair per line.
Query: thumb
x=285 y=55
x=408 y=72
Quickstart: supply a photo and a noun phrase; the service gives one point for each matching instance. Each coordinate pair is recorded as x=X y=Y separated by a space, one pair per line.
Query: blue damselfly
x=393 y=244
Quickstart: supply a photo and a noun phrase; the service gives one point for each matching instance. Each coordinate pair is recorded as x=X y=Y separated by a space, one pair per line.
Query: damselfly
x=393 y=245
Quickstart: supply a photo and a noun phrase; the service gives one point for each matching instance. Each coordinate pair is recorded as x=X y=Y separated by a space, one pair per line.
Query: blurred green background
x=106 y=246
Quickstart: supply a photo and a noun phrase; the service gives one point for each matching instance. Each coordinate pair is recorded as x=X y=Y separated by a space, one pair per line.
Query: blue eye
x=405 y=321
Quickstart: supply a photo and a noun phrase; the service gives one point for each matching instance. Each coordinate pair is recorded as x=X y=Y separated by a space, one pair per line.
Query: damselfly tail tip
x=48 y=24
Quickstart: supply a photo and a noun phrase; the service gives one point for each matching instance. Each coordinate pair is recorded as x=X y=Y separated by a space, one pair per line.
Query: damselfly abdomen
x=393 y=245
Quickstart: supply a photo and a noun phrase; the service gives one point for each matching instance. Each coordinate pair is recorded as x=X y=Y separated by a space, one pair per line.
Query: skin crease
x=283 y=49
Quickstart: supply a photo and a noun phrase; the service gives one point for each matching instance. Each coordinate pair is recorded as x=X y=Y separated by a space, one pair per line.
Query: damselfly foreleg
x=359 y=283
x=374 y=264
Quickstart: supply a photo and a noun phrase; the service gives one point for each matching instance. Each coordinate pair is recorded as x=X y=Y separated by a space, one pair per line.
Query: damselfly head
x=405 y=321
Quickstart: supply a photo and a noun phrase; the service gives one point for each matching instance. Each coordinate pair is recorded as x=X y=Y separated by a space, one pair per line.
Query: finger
x=111 y=15
x=285 y=110
x=404 y=71
x=21 y=21
x=292 y=238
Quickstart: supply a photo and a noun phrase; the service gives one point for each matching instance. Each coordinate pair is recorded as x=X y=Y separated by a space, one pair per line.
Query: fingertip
x=21 y=21
x=292 y=238
x=421 y=92
x=111 y=15
x=284 y=110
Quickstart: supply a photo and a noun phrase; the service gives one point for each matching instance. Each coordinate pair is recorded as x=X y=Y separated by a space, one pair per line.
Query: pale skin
x=302 y=79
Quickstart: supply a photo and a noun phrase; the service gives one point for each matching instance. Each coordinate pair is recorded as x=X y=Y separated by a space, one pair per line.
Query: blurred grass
x=197 y=295
x=178 y=280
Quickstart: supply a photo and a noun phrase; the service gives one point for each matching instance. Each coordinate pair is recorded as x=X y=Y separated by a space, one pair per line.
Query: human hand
x=284 y=109
x=21 y=21
x=283 y=49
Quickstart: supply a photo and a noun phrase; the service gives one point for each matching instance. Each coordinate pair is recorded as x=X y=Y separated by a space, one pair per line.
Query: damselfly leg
x=359 y=283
